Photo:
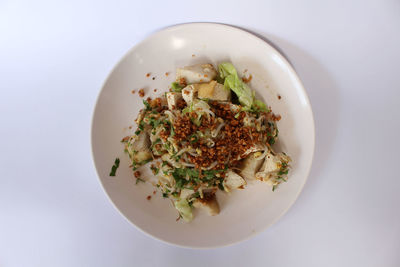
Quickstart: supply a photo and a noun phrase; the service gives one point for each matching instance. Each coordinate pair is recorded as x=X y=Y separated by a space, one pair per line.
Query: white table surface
x=54 y=57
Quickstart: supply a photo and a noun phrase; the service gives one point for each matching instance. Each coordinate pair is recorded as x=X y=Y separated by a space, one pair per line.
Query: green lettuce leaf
x=182 y=205
x=228 y=72
x=260 y=106
x=245 y=95
x=176 y=87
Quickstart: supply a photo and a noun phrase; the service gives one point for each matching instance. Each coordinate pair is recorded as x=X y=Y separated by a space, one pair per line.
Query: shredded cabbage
x=201 y=107
x=216 y=131
x=170 y=115
x=182 y=205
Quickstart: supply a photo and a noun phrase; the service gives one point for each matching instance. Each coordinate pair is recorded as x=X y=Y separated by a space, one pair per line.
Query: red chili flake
x=279 y=97
x=167 y=73
x=247 y=80
x=155 y=90
x=276 y=117
x=154 y=192
x=133 y=91
x=137 y=174
x=193 y=55
x=148 y=197
x=141 y=92
x=148 y=74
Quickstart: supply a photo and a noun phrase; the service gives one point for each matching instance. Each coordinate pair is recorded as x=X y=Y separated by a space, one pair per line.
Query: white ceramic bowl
x=244 y=213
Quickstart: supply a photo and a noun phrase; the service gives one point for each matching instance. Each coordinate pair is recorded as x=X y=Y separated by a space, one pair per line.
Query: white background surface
x=54 y=58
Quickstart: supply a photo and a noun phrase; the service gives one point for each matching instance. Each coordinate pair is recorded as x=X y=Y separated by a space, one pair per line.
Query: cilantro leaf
x=147 y=105
x=176 y=87
x=114 y=167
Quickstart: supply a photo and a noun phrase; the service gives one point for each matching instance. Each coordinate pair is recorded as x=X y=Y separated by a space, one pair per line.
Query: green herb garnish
x=271 y=141
x=193 y=139
x=114 y=167
x=176 y=87
x=283 y=171
x=179 y=175
x=147 y=105
x=221 y=186
x=155 y=170
x=210 y=174
x=141 y=125
x=154 y=123
x=166 y=145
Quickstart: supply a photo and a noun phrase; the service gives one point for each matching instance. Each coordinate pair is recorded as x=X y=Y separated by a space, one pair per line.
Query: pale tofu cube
x=205 y=90
x=141 y=141
x=188 y=94
x=251 y=165
x=271 y=166
x=271 y=163
x=221 y=93
x=200 y=73
x=233 y=181
x=172 y=99
x=208 y=203
x=141 y=146
x=254 y=148
x=213 y=91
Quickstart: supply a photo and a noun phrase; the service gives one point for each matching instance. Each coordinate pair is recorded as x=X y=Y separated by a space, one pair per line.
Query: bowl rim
x=253 y=36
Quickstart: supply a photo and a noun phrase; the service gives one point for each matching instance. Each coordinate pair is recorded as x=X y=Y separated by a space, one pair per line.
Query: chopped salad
x=208 y=133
